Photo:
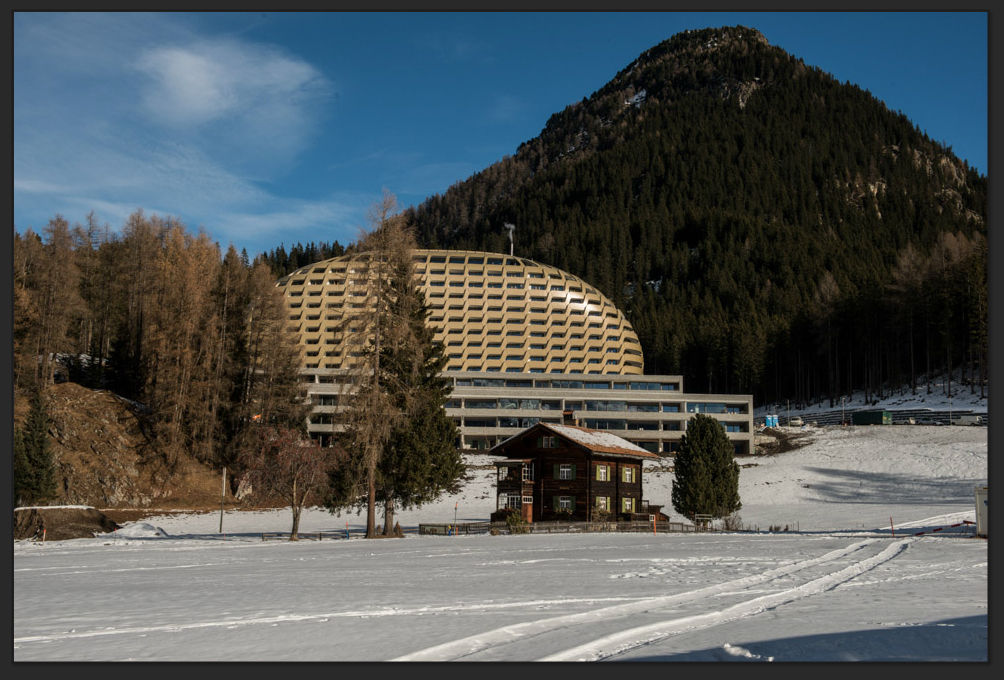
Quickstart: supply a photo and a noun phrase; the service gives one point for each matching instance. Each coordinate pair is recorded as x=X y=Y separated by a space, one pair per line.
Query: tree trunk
x=388 y=517
x=371 y=501
x=294 y=533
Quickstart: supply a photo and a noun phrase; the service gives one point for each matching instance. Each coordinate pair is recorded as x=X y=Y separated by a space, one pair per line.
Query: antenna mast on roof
x=511 y=228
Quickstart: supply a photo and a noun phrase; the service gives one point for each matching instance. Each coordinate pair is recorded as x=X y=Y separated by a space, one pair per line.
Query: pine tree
x=22 y=470
x=371 y=333
x=706 y=475
x=420 y=459
x=34 y=469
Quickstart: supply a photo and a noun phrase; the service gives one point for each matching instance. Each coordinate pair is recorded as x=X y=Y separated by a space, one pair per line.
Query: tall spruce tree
x=706 y=475
x=369 y=332
x=34 y=469
x=420 y=460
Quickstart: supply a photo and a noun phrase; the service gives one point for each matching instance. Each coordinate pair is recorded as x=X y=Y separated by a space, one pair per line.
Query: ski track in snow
x=623 y=641
x=288 y=618
x=458 y=649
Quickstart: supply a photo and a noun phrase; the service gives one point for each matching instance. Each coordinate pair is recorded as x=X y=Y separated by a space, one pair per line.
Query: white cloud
x=114 y=112
x=211 y=80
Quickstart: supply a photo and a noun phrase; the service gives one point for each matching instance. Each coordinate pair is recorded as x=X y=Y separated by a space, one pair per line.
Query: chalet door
x=527 y=509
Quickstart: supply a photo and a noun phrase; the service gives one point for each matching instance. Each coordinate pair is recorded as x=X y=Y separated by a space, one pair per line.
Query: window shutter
x=554 y=503
x=573 y=470
x=573 y=503
x=540 y=442
x=557 y=471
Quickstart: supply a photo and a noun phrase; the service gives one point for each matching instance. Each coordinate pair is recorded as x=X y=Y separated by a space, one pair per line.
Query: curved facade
x=491 y=312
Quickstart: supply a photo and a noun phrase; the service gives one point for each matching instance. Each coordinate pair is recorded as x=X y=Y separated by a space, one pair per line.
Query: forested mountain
x=766 y=228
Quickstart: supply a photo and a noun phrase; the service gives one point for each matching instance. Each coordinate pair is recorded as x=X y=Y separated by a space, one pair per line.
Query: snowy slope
x=846 y=586
x=945 y=396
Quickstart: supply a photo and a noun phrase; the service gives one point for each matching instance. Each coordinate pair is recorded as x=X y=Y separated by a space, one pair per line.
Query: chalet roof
x=596 y=441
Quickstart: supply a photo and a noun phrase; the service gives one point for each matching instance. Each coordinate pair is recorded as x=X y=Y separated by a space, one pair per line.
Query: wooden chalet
x=566 y=472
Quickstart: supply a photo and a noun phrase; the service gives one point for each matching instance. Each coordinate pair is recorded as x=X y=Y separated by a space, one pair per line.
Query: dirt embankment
x=57 y=524
x=775 y=440
x=104 y=460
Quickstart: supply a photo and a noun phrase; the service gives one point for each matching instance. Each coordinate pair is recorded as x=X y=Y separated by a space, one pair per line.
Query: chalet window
x=602 y=473
x=513 y=500
x=564 y=471
x=564 y=503
x=628 y=475
x=527 y=473
x=603 y=503
x=547 y=443
x=627 y=505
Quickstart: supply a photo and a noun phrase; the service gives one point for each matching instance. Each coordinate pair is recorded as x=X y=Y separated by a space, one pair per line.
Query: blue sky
x=267 y=128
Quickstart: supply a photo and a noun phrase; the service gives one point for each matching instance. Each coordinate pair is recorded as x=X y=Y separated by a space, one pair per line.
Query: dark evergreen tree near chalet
x=706 y=476
x=766 y=228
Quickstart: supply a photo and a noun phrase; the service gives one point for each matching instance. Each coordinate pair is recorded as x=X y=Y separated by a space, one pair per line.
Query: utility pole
x=223 y=493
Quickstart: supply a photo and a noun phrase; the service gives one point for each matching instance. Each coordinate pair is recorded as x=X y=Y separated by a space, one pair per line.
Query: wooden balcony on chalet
x=515 y=476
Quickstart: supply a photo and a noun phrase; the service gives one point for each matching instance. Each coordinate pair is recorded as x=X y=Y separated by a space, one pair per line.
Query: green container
x=871 y=418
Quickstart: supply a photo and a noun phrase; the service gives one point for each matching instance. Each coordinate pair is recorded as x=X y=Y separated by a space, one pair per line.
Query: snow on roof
x=602 y=442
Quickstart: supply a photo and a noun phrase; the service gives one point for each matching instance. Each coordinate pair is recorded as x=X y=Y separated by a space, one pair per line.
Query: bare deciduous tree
x=287 y=465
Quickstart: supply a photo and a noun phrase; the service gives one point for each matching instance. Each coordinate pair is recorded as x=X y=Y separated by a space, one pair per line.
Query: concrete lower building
x=650 y=411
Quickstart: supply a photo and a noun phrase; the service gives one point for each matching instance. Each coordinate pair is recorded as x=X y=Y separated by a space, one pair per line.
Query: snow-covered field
x=855 y=582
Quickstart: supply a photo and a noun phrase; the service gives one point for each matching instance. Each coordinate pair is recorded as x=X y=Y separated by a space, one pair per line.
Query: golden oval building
x=490 y=312
x=525 y=343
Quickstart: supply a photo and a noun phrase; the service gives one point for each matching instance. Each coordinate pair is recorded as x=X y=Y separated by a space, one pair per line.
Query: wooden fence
x=303 y=535
x=557 y=528
x=459 y=528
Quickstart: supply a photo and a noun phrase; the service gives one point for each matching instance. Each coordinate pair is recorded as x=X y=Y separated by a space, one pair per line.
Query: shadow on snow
x=961 y=639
